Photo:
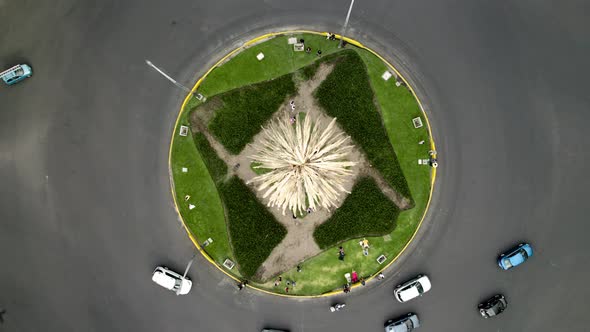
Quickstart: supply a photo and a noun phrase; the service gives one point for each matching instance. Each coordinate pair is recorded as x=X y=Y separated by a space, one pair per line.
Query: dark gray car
x=404 y=324
x=493 y=306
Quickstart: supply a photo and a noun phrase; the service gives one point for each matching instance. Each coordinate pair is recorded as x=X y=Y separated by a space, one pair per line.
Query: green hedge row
x=217 y=167
x=347 y=95
x=245 y=109
x=365 y=212
x=254 y=232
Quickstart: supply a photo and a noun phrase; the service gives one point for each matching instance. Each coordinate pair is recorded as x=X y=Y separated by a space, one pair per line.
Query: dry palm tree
x=308 y=162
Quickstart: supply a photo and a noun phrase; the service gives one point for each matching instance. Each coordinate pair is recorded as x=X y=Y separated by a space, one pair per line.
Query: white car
x=412 y=288
x=171 y=280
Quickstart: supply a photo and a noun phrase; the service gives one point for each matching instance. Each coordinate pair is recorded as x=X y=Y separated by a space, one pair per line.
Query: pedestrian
x=288 y=283
x=286 y=289
x=309 y=210
x=293 y=283
x=362 y=281
x=341 y=254
x=240 y=285
x=294 y=216
x=298 y=268
x=380 y=276
x=319 y=52
x=308 y=49
x=301 y=40
x=332 y=37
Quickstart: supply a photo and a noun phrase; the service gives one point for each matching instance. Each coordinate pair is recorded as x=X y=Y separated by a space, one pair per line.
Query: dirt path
x=298 y=245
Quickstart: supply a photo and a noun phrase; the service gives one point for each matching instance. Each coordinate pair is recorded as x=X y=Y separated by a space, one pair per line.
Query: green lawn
x=399 y=107
x=279 y=59
x=207 y=219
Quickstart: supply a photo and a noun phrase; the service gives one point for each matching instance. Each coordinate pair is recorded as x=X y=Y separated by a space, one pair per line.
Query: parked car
x=412 y=288
x=406 y=323
x=515 y=257
x=493 y=306
x=171 y=280
x=16 y=74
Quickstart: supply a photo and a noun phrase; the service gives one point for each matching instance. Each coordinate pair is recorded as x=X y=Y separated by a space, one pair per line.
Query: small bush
x=365 y=212
x=347 y=95
x=217 y=167
x=246 y=109
x=254 y=232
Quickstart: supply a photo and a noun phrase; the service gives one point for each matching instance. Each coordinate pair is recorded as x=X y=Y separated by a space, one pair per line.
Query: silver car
x=404 y=324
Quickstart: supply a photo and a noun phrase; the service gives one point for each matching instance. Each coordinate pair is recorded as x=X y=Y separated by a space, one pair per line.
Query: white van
x=171 y=280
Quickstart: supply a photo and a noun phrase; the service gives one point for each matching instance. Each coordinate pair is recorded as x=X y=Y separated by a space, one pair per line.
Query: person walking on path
x=380 y=276
x=341 y=253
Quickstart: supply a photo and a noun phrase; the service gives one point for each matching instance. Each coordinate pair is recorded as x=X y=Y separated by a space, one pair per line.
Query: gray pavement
x=85 y=207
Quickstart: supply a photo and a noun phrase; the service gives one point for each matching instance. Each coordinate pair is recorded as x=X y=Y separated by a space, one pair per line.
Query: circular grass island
x=300 y=166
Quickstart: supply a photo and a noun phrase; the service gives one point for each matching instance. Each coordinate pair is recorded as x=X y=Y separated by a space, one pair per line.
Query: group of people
x=329 y=36
x=288 y=283
x=292 y=117
x=355 y=279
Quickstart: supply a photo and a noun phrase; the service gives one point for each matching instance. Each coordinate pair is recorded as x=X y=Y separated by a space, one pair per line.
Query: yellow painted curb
x=246 y=45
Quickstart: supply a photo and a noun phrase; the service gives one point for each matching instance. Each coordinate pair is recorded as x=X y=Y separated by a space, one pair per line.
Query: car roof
x=409 y=290
x=425 y=282
x=163 y=279
x=516 y=258
x=400 y=325
x=409 y=293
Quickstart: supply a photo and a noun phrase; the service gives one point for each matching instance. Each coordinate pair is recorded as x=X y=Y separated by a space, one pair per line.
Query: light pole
x=196 y=95
x=188 y=266
x=345 y=24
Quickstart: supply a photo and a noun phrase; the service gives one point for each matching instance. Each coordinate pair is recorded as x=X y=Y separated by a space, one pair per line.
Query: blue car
x=16 y=74
x=515 y=257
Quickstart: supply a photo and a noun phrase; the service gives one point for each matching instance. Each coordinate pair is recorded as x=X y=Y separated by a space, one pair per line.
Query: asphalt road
x=85 y=207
